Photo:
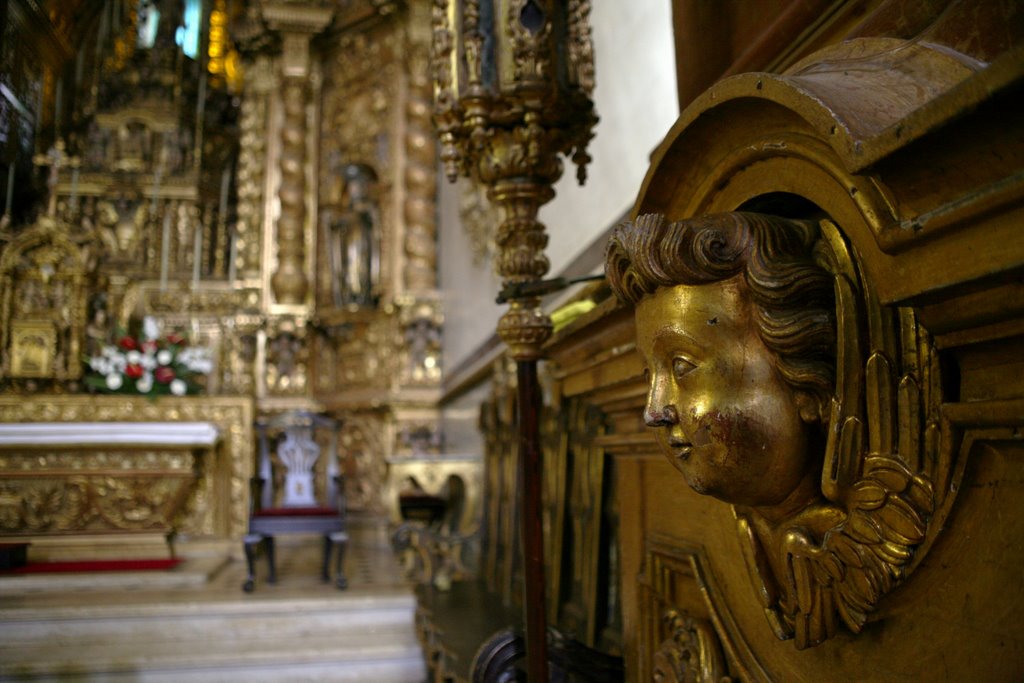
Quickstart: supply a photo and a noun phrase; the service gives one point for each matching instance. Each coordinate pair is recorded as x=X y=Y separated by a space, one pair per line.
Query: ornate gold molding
x=363 y=447
x=43 y=280
x=59 y=502
x=690 y=652
x=287 y=355
x=682 y=639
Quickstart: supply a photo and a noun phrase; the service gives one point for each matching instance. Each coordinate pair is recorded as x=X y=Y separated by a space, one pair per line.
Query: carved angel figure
x=751 y=328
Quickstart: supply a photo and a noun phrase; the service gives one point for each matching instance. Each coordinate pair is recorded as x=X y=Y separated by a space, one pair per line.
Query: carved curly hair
x=793 y=296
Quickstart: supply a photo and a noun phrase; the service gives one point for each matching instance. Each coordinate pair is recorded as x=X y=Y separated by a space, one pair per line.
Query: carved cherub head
x=736 y=325
x=742 y=320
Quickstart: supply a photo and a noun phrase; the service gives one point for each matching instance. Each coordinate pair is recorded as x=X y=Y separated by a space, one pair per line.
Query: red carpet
x=93 y=566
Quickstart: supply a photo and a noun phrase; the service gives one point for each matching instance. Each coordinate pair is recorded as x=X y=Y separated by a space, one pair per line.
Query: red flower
x=128 y=343
x=175 y=339
x=163 y=374
x=134 y=371
x=149 y=346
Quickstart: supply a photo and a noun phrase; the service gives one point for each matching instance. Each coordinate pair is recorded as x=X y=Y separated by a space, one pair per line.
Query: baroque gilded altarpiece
x=205 y=192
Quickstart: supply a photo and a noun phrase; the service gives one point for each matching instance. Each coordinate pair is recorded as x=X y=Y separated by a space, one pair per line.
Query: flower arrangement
x=149 y=364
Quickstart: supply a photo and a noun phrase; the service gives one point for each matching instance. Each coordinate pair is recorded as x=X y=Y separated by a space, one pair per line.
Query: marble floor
x=195 y=622
x=370 y=565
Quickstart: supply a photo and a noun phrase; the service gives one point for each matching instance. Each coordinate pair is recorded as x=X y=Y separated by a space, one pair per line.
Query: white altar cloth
x=181 y=434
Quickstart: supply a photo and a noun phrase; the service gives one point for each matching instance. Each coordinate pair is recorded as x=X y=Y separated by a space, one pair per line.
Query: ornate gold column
x=260 y=82
x=296 y=26
x=512 y=84
x=421 y=159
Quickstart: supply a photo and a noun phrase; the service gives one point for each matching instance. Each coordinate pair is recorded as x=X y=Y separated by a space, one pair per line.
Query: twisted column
x=297 y=24
x=290 y=281
x=421 y=160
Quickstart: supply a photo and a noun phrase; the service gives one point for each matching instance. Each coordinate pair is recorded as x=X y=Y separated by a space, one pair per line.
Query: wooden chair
x=284 y=492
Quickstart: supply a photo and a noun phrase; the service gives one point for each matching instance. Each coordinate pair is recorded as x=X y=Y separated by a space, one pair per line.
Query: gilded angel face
x=722 y=414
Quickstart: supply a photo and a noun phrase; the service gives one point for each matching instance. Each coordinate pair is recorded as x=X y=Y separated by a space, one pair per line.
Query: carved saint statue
x=355 y=240
x=740 y=320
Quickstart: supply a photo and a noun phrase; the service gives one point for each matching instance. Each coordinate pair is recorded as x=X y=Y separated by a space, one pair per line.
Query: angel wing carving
x=860 y=560
x=878 y=468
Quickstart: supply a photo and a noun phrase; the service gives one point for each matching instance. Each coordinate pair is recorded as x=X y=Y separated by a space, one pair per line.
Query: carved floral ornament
x=780 y=385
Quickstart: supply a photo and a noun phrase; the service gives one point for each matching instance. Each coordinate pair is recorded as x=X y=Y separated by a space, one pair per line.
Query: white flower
x=148 y=362
x=178 y=387
x=164 y=357
x=114 y=381
x=150 y=328
x=133 y=357
x=196 y=359
x=144 y=383
x=95 y=363
x=202 y=366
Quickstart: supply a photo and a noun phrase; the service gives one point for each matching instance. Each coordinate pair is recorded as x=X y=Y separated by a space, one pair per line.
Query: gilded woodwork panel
x=554 y=429
x=803 y=145
x=43 y=288
x=501 y=446
x=373 y=114
x=579 y=517
x=287 y=361
x=132 y=496
x=364 y=447
x=419 y=344
x=361 y=123
x=217 y=506
x=577 y=530
x=684 y=642
x=364 y=359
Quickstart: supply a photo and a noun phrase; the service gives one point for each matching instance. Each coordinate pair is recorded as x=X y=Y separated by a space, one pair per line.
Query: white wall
x=468 y=290
x=635 y=98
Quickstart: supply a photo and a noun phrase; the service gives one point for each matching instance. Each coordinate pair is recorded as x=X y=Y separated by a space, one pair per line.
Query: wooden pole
x=531 y=520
